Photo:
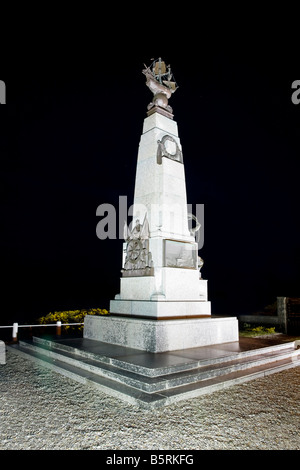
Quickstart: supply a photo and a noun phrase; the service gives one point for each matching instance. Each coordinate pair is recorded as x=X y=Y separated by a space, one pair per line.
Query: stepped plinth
x=153 y=380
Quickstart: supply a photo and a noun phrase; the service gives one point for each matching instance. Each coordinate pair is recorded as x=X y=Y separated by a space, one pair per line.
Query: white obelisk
x=169 y=287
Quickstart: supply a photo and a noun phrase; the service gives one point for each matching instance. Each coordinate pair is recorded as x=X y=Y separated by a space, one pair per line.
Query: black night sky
x=69 y=140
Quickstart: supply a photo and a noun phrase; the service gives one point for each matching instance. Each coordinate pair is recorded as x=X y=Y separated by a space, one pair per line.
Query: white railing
x=15 y=327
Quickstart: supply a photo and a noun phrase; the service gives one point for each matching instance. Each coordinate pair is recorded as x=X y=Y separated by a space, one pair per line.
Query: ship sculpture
x=160 y=80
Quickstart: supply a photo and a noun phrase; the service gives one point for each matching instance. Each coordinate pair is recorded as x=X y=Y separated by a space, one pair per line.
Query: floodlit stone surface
x=40 y=409
x=160 y=336
x=154 y=309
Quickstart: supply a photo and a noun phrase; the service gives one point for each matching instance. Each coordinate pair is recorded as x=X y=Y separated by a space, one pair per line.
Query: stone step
x=156 y=366
x=110 y=387
x=165 y=389
x=163 y=382
x=234 y=378
x=164 y=397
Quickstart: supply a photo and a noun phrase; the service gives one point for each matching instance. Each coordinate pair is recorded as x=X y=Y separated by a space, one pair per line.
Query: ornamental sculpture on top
x=161 y=82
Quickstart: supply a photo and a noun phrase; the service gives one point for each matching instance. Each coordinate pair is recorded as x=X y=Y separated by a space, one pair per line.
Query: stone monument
x=163 y=303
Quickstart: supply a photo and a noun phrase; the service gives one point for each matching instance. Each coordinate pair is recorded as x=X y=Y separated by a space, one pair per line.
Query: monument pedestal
x=160 y=309
x=161 y=335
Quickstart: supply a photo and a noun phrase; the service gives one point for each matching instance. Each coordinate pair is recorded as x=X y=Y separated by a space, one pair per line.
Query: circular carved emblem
x=168 y=147
x=134 y=249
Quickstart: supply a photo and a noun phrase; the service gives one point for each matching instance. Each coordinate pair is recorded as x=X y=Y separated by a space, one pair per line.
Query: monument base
x=161 y=335
x=160 y=309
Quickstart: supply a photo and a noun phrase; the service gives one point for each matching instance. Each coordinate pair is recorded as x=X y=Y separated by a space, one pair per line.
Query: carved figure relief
x=180 y=254
x=138 y=261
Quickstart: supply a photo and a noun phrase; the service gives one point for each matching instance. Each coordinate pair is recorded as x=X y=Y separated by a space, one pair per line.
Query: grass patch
x=249 y=330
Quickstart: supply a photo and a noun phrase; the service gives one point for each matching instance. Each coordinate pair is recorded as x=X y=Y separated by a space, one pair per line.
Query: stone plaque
x=180 y=254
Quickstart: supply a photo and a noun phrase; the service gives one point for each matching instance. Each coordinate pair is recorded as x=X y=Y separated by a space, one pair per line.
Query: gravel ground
x=40 y=409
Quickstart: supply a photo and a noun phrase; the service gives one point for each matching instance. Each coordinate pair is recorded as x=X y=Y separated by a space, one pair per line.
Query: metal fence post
x=58 y=328
x=15 y=331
